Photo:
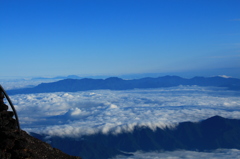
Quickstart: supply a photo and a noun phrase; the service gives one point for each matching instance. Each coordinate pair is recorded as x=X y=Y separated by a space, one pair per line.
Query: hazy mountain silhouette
x=57 y=77
x=115 y=83
x=213 y=133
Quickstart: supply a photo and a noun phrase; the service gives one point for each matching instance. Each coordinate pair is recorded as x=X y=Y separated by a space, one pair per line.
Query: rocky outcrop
x=17 y=144
x=6 y=121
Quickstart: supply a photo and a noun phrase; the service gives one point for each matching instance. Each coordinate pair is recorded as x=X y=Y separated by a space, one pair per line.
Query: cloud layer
x=89 y=112
x=217 y=154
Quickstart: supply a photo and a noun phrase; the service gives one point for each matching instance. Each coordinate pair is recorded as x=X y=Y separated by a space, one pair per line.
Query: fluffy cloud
x=78 y=113
x=217 y=154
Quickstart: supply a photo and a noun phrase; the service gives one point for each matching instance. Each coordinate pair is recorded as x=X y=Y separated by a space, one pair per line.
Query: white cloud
x=75 y=111
x=113 y=106
x=182 y=154
x=75 y=114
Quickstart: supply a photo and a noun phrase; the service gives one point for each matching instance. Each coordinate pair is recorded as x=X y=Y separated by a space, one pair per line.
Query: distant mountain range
x=115 y=83
x=210 y=134
x=57 y=78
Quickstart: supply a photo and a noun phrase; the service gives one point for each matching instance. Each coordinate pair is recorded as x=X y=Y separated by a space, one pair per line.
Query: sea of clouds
x=182 y=154
x=73 y=114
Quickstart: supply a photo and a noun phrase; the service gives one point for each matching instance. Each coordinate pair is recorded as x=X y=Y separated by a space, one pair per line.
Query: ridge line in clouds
x=180 y=154
x=209 y=134
x=89 y=112
x=115 y=83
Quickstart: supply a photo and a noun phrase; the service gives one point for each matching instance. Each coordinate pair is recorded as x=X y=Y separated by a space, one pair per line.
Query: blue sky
x=115 y=37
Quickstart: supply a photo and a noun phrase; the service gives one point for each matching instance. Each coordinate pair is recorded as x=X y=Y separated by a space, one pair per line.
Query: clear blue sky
x=93 y=37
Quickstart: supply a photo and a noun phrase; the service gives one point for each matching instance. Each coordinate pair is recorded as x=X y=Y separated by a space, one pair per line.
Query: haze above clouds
x=83 y=113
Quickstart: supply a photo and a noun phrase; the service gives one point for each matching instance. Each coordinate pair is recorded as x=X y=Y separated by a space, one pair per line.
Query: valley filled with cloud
x=64 y=60
x=74 y=114
x=216 y=154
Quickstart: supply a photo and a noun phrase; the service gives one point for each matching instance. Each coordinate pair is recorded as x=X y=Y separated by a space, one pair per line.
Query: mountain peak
x=114 y=79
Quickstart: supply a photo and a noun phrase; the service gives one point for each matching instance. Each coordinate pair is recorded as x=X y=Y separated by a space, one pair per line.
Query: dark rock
x=17 y=144
x=6 y=120
x=3 y=106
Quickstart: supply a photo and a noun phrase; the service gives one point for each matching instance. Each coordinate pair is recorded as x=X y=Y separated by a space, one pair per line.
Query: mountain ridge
x=115 y=83
x=213 y=133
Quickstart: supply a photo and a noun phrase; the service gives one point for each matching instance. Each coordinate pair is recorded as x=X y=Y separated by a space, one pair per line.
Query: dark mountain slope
x=210 y=134
x=114 y=83
x=17 y=144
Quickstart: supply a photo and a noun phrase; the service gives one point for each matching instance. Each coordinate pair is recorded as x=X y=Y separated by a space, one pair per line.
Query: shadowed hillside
x=210 y=134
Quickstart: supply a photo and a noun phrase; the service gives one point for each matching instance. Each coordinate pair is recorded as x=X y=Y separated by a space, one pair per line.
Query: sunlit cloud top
x=105 y=111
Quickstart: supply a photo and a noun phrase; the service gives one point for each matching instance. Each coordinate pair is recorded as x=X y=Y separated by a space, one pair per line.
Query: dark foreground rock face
x=15 y=144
